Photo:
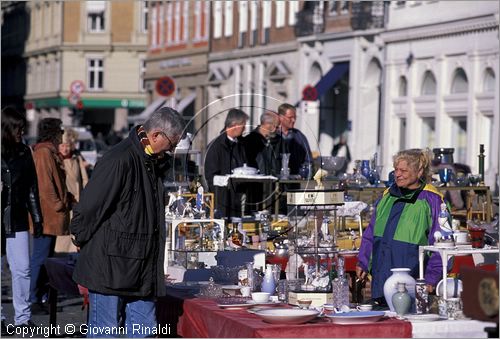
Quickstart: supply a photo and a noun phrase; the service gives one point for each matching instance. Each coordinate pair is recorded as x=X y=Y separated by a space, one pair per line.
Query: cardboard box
x=318 y=298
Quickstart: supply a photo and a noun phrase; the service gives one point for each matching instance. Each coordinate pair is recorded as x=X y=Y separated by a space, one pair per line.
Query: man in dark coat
x=119 y=225
x=294 y=141
x=262 y=147
x=225 y=153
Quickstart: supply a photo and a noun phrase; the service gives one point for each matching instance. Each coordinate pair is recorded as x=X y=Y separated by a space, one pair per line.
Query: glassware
x=250 y=276
x=285 y=170
x=235 y=238
x=340 y=286
x=282 y=290
x=445 y=175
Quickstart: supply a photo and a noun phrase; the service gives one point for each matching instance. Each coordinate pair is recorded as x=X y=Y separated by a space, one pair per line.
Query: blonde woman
x=405 y=218
x=74 y=164
x=76 y=179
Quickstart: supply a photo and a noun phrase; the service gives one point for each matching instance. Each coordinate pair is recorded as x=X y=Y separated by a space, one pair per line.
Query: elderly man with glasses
x=119 y=225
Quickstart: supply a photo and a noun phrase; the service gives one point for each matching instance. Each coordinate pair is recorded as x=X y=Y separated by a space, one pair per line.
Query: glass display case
x=314 y=235
x=193 y=243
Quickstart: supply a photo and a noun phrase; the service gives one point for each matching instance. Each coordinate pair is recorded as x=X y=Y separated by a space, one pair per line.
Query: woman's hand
x=360 y=273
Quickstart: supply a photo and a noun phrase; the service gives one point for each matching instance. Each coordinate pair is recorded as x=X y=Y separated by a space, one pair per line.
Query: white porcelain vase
x=399 y=275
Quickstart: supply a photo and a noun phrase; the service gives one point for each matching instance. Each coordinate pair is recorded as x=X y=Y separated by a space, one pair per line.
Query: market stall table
x=202 y=318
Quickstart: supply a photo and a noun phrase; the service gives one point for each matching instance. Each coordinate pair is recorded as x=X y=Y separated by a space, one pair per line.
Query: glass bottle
x=333 y=272
x=235 y=238
x=264 y=231
x=250 y=276
x=340 y=286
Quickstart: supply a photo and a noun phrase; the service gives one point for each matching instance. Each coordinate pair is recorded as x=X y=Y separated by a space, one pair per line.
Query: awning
x=330 y=78
x=144 y=115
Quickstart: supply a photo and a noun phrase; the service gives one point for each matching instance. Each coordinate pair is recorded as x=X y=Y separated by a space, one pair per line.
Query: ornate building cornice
x=476 y=24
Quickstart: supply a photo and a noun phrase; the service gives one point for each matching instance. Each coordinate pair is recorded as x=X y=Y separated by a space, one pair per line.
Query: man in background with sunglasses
x=119 y=225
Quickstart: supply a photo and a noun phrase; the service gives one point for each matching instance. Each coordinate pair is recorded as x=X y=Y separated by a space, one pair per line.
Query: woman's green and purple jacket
x=402 y=221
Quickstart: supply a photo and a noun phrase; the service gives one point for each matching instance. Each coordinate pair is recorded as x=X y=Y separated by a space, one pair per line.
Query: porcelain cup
x=364 y=307
x=245 y=291
x=460 y=237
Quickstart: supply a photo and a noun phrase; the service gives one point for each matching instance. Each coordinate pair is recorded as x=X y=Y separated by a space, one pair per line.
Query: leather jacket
x=19 y=191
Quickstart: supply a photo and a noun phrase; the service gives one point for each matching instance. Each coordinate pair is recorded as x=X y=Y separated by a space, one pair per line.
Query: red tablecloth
x=202 y=318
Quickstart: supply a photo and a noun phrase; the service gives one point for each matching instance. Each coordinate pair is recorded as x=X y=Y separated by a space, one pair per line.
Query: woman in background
x=54 y=200
x=19 y=195
x=76 y=179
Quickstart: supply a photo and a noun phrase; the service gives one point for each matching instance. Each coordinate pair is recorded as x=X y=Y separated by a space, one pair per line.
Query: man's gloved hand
x=37 y=230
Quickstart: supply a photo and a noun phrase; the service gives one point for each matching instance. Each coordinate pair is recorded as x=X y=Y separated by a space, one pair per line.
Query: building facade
x=88 y=54
x=178 y=49
x=252 y=61
x=441 y=83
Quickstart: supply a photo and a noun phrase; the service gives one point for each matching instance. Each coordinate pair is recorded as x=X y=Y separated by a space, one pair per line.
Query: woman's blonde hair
x=70 y=136
x=418 y=159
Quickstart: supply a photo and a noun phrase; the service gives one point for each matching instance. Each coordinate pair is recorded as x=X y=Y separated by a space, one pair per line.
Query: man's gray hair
x=268 y=117
x=235 y=116
x=168 y=120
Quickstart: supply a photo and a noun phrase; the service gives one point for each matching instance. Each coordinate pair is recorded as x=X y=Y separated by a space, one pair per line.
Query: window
x=48 y=76
x=489 y=81
x=402 y=133
x=253 y=22
x=154 y=27
x=344 y=7
x=459 y=139
x=95 y=73
x=185 y=21
x=266 y=20
x=243 y=25
x=142 y=73
x=177 y=20
x=217 y=19
x=169 y=32
x=161 y=23
x=403 y=87
x=459 y=83
x=280 y=13
x=428 y=132
x=332 y=7
x=293 y=8
x=144 y=16
x=95 y=16
x=228 y=18
x=201 y=10
x=429 y=84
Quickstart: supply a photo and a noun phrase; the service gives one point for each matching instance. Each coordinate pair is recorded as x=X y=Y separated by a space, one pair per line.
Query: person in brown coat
x=54 y=200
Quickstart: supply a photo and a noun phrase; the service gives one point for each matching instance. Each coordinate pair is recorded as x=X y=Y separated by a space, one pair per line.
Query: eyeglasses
x=172 y=145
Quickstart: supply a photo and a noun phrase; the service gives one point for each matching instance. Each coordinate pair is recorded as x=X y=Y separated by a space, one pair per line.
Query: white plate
x=364 y=317
x=253 y=302
x=419 y=318
x=286 y=315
